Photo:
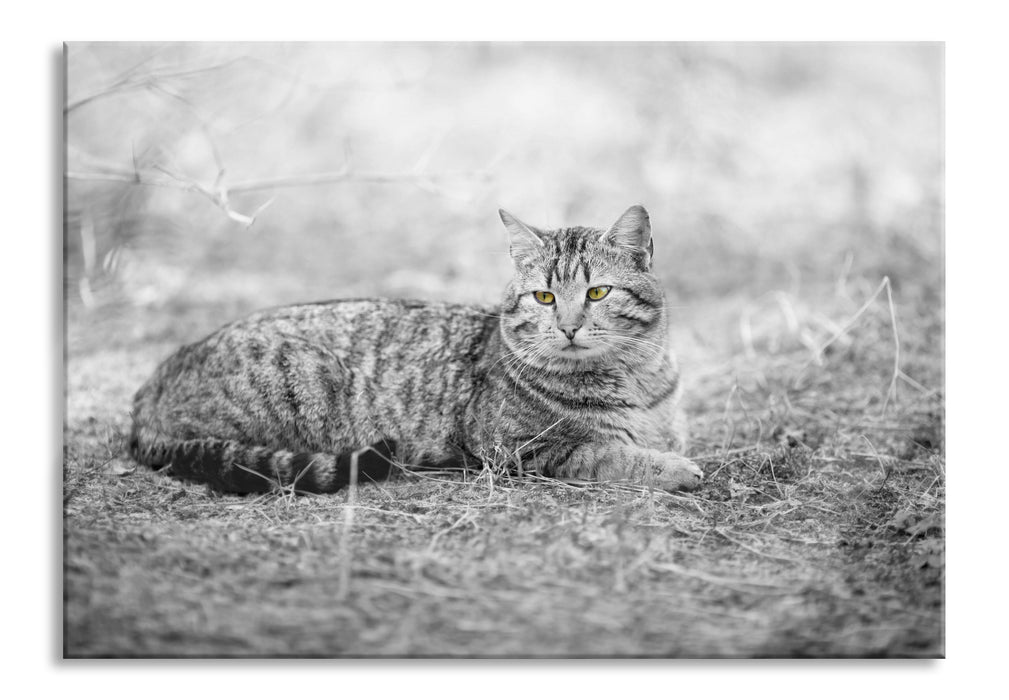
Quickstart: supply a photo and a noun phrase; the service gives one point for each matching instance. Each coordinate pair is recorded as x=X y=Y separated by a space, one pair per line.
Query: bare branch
x=200 y=120
x=218 y=195
x=219 y=192
x=345 y=175
x=129 y=82
x=146 y=178
x=137 y=177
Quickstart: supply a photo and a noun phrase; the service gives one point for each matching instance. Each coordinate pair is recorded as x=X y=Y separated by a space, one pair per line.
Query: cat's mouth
x=574 y=351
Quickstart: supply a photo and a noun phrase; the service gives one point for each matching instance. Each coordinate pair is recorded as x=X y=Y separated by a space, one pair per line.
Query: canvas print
x=504 y=350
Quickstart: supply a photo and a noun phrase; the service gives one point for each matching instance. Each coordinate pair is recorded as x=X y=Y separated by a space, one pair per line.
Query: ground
x=797 y=203
x=818 y=530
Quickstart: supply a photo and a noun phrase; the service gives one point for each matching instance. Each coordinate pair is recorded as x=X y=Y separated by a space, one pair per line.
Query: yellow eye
x=544 y=297
x=597 y=293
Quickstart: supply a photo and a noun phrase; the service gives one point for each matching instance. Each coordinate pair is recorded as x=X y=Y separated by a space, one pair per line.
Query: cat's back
x=369 y=336
x=319 y=374
x=363 y=326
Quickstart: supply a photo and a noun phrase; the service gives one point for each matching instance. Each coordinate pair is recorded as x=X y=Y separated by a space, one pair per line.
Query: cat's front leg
x=619 y=462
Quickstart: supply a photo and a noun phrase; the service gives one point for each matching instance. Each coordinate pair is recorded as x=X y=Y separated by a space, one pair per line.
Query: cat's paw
x=676 y=473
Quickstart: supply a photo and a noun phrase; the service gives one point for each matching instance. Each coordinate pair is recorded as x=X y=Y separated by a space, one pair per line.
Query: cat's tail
x=234 y=467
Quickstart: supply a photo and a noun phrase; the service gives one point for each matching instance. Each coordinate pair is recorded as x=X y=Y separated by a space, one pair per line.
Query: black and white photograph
x=504 y=350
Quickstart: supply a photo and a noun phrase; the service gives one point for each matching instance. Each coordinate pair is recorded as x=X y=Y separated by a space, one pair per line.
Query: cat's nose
x=569 y=321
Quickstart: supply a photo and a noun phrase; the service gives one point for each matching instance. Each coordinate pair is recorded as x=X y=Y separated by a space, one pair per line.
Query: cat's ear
x=524 y=240
x=632 y=231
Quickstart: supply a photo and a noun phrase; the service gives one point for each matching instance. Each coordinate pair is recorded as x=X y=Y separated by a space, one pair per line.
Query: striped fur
x=294 y=397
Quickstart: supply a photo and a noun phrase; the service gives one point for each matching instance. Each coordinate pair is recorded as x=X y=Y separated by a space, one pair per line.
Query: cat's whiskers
x=641 y=342
x=619 y=342
x=486 y=314
x=522 y=347
x=508 y=357
x=529 y=362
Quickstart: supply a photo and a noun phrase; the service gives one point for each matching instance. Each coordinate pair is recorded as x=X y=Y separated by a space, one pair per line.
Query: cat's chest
x=586 y=406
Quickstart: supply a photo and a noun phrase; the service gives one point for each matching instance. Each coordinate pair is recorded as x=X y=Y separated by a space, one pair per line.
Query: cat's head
x=584 y=294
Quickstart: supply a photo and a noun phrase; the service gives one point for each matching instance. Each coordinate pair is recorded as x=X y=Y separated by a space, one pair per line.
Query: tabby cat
x=570 y=377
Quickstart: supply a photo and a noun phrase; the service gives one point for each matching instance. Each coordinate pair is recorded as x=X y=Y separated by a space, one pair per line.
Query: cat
x=570 y=377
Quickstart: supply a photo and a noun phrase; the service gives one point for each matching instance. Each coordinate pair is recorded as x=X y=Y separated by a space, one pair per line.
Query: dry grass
x=818 y=532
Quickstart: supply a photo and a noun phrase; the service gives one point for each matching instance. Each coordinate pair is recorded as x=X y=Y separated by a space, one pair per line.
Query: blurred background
x=207 y=180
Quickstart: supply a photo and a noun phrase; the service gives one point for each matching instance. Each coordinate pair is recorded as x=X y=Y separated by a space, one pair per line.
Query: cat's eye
x=597 y=293
x=544 y=297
